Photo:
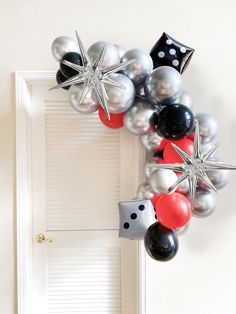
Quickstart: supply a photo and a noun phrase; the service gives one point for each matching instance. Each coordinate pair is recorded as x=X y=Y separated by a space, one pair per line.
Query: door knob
x=41 y=238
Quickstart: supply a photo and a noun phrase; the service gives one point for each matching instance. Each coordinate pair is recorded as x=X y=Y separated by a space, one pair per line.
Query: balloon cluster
x=144 y=93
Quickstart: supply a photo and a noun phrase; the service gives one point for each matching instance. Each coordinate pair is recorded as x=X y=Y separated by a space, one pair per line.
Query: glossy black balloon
x=160 y=242
x=174 y=122
x=72 y=57
x=60 y=78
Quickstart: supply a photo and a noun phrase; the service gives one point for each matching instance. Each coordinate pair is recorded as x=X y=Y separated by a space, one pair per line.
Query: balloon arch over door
x=144 y=93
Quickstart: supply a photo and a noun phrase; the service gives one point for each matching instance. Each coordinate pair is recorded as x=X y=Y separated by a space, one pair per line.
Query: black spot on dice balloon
x=60 y=78
x=174 y=122
x=160 y=242
x=72 y=57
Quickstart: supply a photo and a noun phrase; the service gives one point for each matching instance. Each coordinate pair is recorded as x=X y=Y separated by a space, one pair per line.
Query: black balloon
x=168 y=51
x=160 y=242
x=72 y=57
x=174 y=122
x=61 y=79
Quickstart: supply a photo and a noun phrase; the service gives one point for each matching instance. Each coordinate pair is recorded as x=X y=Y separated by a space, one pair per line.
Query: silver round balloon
x=61 y=45
x=185 y=99
x=138 y=118
x=144 y=191
x=208 y=127
x=183 y=187
x=120 y=50
x=120 y=99
x=140 y=68
x=204 y=203
x=151 y=141
x=140 y=91
x=149 y=168
x=220 y=178
x=111 y=55
x=163 y=85
x=182 y=230
x=88 y=105
x=161 y=180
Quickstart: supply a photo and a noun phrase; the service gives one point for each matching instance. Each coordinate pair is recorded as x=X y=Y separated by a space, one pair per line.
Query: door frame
x=24 y=80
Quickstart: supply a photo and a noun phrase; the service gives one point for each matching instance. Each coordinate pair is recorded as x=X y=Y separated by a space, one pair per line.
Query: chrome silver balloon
x=87 y=105
x=208 y=127
x=140 y=68
x=185 y=99
x=138 y=118
x=140 y=91
x=161 y=180
x=111 y=55
x=182 y=230
x=183 y=187
x=145 y=191
x=219 y=178
x=120 y=99
x=148 y=169
x=163 y=85
x=150 y=141
x=61 y=45
x=120 y=50
x=204 y=203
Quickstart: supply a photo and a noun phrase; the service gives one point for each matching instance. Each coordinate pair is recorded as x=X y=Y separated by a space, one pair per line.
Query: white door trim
x=23 y=82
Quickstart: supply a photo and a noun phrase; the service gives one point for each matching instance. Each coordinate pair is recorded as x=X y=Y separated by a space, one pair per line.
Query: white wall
x=201 y=279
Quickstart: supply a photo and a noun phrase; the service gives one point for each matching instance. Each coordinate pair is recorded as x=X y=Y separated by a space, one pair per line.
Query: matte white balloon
x=88 y=105
x=120 y=99
x=204 y=203
x=151 y=141
x=138 y=118
x=161 y=180
x=163 y=85
x=140 y=68
x=111 y=56
x=145 y=191
x=61 y=45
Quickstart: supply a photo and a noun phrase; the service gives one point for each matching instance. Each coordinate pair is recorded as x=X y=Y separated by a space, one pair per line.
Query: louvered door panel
x=82 y=170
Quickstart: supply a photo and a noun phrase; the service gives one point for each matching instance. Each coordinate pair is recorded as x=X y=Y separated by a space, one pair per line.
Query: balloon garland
x=144 y=93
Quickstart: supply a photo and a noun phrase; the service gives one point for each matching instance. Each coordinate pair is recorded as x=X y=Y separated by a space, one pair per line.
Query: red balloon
x=173 y=210
x=116 y=120
x=155 y=197
x=159 y=160
x=171 y=156
x=163 y=143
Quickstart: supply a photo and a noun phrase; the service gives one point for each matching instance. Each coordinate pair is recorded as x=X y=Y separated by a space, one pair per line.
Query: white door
x=77 y=170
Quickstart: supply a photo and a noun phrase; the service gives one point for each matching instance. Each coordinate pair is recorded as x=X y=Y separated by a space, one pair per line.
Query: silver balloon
x=137 y=118
x=111 y=56
x=140 y=91
x=204 y=203
x=148 y=169
x=88 y=104
x=183 y=187
x=140 y=68
x=120 y=50
x=182 y=230
x=61 y=45
x=145 y=191
x=161 y=180
x=120 y=99
x=163 y=85
x=150 y=141
x=208 y=127
x=220 y=178
x=185 y=99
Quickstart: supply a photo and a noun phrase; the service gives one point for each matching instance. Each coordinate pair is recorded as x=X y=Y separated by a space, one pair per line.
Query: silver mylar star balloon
x=93 y=75
x=195 y=167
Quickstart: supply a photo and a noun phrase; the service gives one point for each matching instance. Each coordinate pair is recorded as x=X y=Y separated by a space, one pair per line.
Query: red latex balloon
x=171 y=156
x=159 y=160
x=163 y=143
x=173 y=210
x=155 y=197
x=116 y=120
